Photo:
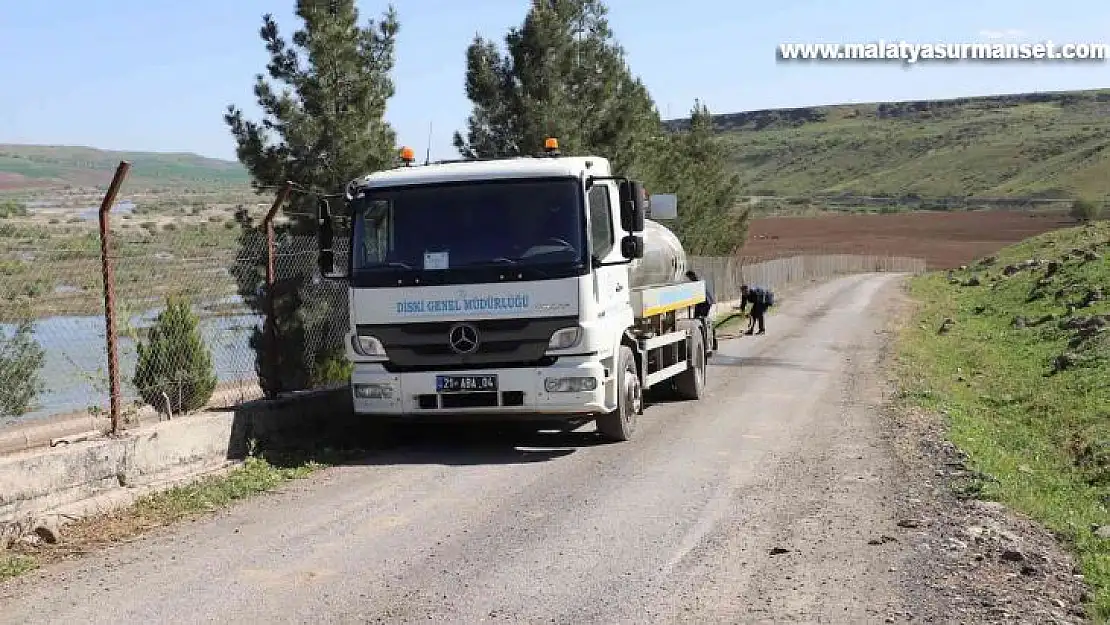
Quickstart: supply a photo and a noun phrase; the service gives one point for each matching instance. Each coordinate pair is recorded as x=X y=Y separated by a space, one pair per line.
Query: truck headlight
x=368 y=346
x=565 y=338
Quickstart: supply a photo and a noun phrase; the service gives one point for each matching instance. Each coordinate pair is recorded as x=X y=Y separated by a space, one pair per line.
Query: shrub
x=1085 y=210
x=12 y=208
x=21 y=361
x=175 y=361
x=332 y=367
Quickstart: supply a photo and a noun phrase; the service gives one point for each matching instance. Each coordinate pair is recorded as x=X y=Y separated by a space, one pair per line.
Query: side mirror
x=325 y=238
x=633 y=204
x=632 y=246
x=663 y=206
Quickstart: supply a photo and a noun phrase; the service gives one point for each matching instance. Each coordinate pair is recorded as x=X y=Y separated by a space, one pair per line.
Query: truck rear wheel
x=690 y=384
x=620 y=424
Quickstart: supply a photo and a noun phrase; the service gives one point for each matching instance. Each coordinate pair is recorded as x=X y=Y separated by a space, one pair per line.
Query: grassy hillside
x=1015 y=352
x=32 y=166
x=1047 y=144
x=1028 y=145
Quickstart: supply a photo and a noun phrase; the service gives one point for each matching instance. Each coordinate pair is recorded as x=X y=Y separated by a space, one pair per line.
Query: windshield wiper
x=501 y=260
x=391 y=265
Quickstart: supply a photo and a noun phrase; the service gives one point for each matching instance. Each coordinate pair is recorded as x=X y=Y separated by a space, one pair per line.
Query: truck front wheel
x=620 y=424
x=690 y=384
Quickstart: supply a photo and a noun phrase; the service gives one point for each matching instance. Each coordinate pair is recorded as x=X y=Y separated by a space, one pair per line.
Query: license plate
x=465 y=383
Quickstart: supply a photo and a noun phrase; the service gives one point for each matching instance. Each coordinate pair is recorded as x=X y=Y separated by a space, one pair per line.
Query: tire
x=690 y=384
x=620 y=424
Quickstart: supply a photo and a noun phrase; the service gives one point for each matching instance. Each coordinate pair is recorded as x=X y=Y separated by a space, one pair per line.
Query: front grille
x=424 y=346
x=431 y=401
x=437 y=365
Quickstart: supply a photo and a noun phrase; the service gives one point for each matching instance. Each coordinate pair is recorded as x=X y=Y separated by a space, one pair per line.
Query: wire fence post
x=271 y=269
x=109 y=277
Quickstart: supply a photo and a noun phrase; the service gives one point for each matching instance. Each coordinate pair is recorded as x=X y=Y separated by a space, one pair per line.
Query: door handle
x=620 y=287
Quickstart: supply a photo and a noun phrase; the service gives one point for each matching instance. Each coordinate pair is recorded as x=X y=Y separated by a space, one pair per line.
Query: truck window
x=601 y=221
x=470 y=231
x=377 y=223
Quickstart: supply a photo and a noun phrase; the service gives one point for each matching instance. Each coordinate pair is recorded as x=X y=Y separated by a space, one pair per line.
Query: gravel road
x=756 y=504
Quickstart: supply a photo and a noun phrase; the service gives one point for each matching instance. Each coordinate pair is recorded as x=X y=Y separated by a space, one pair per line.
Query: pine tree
x=328 y=117
x=564 y=75
x=323 y=127
x=174 y=364
x=694 y=164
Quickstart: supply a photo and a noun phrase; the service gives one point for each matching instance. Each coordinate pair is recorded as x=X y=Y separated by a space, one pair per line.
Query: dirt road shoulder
x=972 y=561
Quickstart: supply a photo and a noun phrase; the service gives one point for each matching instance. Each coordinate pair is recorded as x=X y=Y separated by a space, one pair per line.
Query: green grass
x=1022 y=145
x=255 y=476
x=1042 y=437
x=731 y=322
x=1050 y=145
x=13 y=565
x=80 y=166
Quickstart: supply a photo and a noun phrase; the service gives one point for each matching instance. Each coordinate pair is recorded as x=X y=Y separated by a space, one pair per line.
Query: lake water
x=75 y=374
x=88 y=213
x=124 y=207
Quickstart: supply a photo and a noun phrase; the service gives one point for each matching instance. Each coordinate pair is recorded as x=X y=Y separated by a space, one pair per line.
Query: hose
x=717 y=324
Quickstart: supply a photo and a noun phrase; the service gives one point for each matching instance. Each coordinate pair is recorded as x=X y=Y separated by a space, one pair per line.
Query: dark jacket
x=756 y=297
x=702 y=309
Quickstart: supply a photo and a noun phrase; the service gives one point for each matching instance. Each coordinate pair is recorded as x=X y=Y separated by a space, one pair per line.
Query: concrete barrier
x=46 y=431
x=41 y=481
x=39 y=433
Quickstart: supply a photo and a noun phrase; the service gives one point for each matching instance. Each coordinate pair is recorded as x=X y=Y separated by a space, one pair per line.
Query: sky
x=142 y=75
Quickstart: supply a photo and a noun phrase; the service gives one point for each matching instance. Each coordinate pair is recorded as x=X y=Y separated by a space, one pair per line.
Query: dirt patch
x=944 y=240
x=21 y=551
x=10 y=180
x=972 y=561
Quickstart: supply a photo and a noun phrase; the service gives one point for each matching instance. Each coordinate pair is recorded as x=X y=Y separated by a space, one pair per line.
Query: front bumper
x=521 y=393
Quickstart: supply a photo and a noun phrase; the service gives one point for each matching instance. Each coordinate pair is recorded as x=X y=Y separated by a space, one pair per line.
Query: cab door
x=611 y=288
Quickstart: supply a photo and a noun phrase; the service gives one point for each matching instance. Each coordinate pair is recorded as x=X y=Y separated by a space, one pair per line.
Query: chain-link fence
x=51 y=319
x=53 y=358
x=304 y=348
x=185 y=313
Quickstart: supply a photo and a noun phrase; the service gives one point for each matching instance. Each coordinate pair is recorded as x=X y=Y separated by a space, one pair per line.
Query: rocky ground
x=972 y=561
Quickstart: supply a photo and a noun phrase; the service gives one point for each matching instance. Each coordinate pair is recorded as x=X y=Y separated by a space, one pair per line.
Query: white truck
x=529 y=287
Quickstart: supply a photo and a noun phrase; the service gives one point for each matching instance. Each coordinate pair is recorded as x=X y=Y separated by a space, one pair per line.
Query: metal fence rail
x=725 y=275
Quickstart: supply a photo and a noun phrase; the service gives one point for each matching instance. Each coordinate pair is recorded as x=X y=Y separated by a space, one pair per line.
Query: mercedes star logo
x=463 y=338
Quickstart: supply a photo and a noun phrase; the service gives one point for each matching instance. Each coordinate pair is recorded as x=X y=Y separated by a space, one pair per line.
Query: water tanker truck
x=538 y=287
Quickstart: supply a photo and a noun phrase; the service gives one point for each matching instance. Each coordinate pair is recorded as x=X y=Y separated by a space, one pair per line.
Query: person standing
x=704 y=309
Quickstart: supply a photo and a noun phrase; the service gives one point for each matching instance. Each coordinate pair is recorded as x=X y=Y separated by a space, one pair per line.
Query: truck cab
x=508 y=289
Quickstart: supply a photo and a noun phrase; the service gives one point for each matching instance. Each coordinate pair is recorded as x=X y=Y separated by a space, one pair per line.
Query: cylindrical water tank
x=664 y=260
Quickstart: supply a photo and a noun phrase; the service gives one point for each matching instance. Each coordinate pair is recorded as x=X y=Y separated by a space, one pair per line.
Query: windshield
x=469 y=232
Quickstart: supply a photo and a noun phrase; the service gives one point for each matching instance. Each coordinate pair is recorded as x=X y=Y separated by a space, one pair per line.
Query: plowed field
x=944 y=240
